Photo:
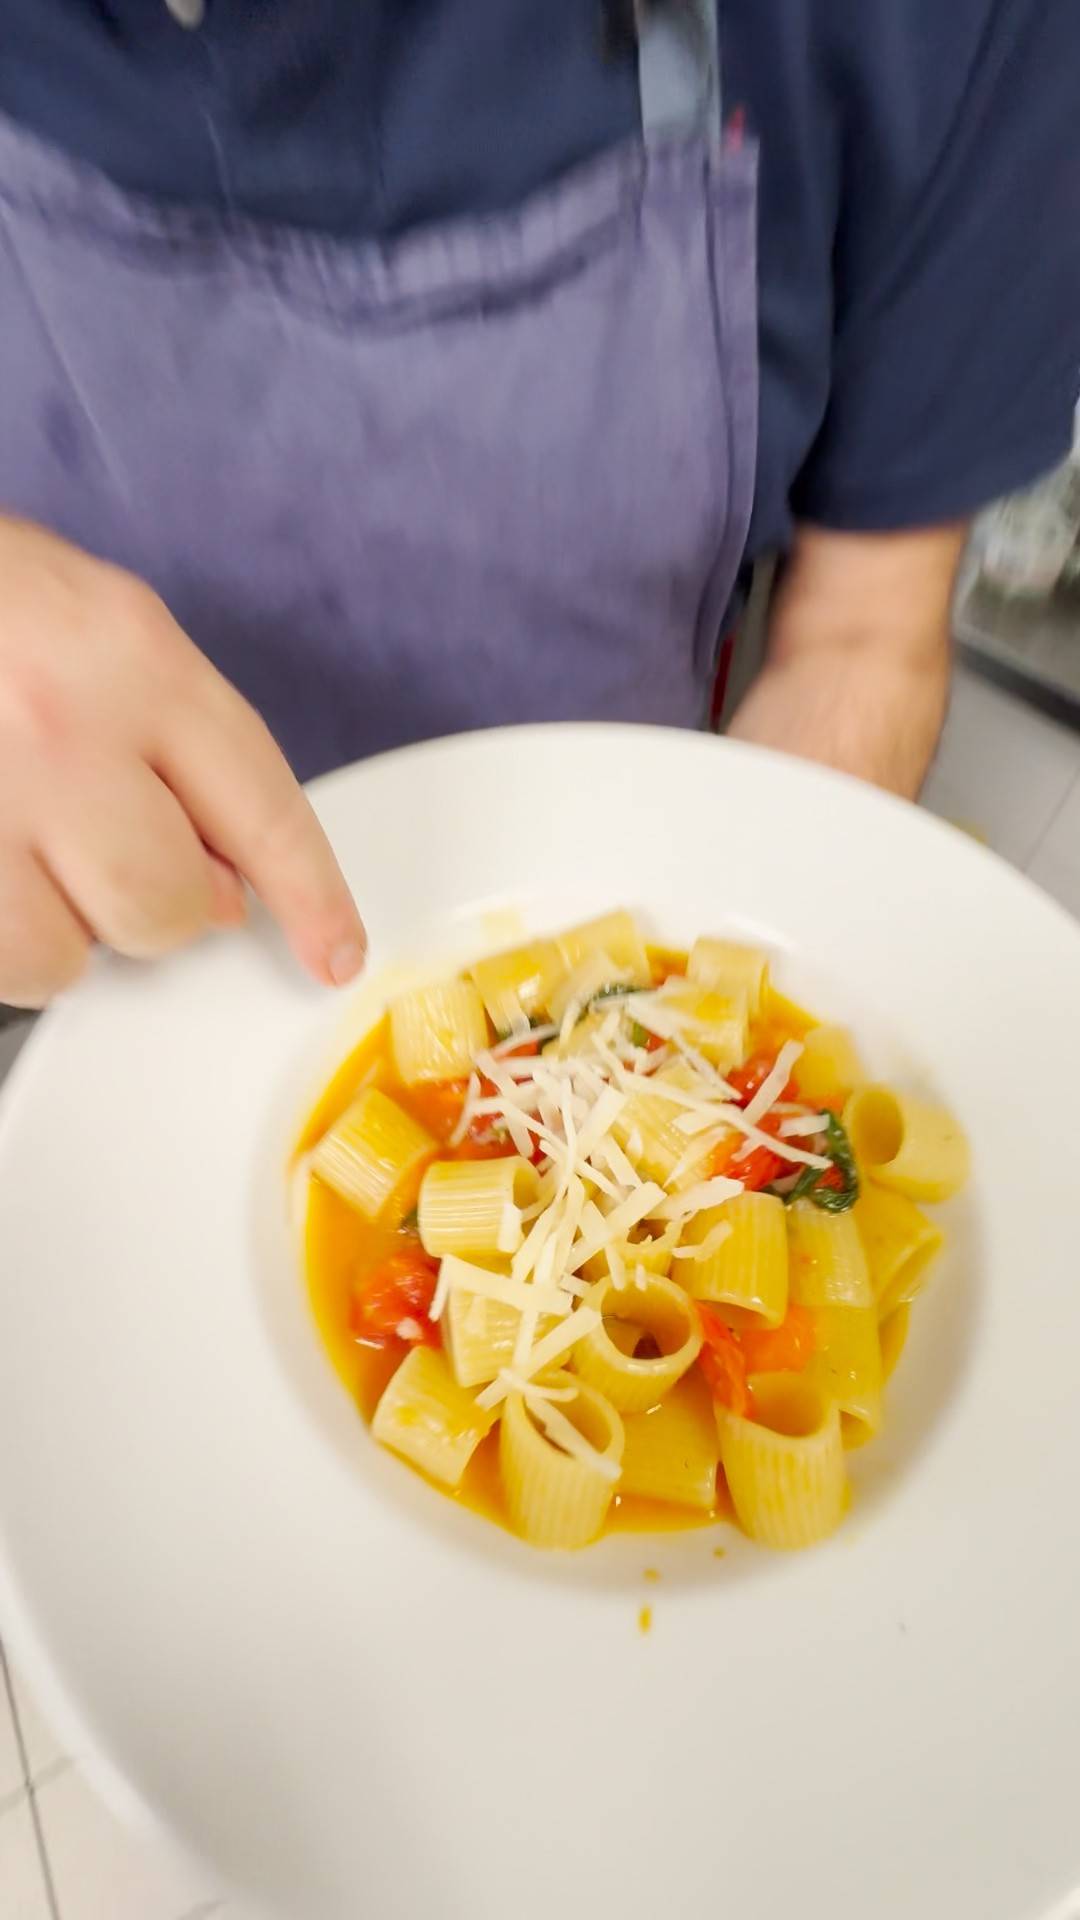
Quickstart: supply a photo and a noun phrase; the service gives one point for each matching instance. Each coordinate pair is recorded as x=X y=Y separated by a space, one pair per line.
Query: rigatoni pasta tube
x=557 y=1498
x=786 y=1015
x=750 y=1268
x=892 y=1335
x=653 y=1253
x=716 y=1024
x=579 y=1037
x=662 y=1311
x=582 y=982
x=826 y=1261
x=908 y=1145
x=900 y=1245
x=615 y=934
x=785 y=1468
x=481 y=1334
x=427 y=1418
x=367 y=1154
x=517 y=984
x=847 y=1362
x=474 y=1206
x=673 y=1451
x=829 y=1066
x=437 y=1031
x=647 y=1133
x=730 y=968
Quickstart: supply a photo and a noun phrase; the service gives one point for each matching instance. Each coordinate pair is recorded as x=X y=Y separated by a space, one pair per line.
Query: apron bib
x=498 y=470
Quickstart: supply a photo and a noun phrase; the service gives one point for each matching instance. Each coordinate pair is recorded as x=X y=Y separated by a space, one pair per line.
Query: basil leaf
x=805 y=1183
x=639 y=1035
x=831 y=1199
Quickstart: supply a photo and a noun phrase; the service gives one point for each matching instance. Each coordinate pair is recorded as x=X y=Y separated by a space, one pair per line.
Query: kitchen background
x=1008 y=770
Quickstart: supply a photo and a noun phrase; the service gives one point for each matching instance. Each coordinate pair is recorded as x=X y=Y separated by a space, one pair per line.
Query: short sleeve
x=955 y=359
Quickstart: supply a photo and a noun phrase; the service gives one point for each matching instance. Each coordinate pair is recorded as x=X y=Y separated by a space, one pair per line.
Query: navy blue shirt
x=920 y=188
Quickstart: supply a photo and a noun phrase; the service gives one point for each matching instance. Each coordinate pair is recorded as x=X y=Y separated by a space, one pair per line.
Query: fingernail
x=346 y=959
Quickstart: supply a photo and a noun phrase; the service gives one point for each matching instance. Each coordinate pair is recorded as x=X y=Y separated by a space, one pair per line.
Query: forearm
x=848 y=711
x=857 y=668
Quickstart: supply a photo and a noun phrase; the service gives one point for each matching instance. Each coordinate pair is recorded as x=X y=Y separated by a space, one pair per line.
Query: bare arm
x=857 y=669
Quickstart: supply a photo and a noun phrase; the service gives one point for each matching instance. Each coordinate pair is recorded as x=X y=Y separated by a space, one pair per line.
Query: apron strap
x=679 y=68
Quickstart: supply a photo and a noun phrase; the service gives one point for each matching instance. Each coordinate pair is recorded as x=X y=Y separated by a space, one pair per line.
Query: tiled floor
x=1004 y=771
x=1009 y=772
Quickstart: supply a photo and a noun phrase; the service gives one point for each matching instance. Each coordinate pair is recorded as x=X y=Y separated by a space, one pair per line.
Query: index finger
x=227 y=771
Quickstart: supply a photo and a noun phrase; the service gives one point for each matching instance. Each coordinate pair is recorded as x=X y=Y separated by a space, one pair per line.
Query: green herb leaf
x=617 y=990
x=639 y=1035
x=831 y=1199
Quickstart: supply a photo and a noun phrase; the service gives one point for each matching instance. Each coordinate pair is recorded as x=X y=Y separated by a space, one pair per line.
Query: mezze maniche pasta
x=604 y=1235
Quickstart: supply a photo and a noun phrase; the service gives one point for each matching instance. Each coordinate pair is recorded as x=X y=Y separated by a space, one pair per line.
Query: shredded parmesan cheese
x=802 y=1124
x=637 y=1206
x=710 y=1193
x=563 y=1434
x=564 y=1104
x=773 y=1084
x=704 y=1249
x=532 y=1390
x=510 y=1233
x=455 y=1273
x=544 y=1354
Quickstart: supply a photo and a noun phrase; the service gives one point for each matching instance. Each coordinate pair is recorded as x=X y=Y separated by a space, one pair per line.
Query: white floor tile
x=1055 y=864
x=12 y=1036
x=1062 y=838
x=22 y=1884
x=1001 y=768
x=11 y=1769
x=1061 y=882
x=102 y=1872
x=43 y=1750
x=950 y=802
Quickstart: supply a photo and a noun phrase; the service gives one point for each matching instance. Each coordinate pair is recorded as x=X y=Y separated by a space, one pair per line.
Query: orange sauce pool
x=341 y=1249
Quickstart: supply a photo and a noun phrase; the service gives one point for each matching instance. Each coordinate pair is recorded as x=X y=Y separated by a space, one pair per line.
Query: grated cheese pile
x=565 y=1106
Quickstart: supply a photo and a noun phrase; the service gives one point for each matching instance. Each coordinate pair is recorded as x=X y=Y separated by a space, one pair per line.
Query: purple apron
x=497 y=470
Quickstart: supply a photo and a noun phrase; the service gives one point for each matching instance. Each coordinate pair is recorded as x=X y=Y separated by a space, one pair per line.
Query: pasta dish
x=600 y=1234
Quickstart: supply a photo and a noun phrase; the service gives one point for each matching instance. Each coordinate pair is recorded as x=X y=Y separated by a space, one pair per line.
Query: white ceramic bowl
x=351 y=1698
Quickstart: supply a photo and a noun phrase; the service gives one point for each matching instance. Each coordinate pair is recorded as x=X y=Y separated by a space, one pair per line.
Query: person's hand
x=137 y=789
